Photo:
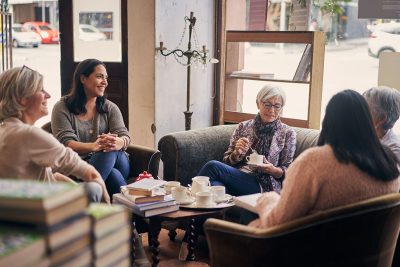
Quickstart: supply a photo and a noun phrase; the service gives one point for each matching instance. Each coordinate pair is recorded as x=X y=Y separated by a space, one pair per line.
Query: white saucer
x=213 y=206
x=225 y=199
x=253 y=164
x=187 y=201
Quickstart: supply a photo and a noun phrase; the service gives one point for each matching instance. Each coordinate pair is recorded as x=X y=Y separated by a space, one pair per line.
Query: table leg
x=191 y=240
x=172 y=234
x=133 y=240
x=154 y=231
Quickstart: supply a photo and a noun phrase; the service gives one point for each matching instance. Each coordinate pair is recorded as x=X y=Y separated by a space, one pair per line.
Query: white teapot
x=200 y=184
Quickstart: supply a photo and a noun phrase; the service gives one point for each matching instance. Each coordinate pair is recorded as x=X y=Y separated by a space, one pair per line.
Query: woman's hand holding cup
x=269 y=168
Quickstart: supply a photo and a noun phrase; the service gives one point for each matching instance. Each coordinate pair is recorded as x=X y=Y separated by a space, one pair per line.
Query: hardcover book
x=35 y=195
x=112 y=241
x=114 y=257
x=121 y=199
x=107 y=218
x=43 y=203
x=20 y=247
x=67 y=231
x=69 y=251
x=146 y=184
x=137 y=199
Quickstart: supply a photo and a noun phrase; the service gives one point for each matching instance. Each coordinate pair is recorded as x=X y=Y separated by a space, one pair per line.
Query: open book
x=247 y=202
x=146 y=184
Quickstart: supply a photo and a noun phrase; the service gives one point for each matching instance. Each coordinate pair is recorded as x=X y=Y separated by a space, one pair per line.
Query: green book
x=107 y=218
x=20 y=247
x=36 y=195
x=40 y=203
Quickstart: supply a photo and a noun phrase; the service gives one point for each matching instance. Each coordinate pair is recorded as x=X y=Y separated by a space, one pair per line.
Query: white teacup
x=200 y=184
x=218 y=193
x=180 y=193
x=169 y=185
x=255 y=158
x=204 y=199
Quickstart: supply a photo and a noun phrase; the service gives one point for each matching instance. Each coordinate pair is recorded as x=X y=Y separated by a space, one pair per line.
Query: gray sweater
x=66 y=126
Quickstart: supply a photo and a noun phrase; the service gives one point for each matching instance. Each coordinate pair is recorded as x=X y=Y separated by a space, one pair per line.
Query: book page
x=146 y=184
x=247 y=201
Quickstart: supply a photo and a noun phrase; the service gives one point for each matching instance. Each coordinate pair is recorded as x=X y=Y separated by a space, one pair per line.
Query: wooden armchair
x=141 y=158
x=360 y=234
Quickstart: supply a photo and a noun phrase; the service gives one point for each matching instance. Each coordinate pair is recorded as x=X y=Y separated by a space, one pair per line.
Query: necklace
x=92 y=129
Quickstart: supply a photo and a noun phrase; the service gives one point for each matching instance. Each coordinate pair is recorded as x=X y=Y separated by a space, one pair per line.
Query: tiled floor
x=169 y=251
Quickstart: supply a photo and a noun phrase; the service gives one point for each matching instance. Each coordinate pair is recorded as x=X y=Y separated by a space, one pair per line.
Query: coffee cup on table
x=218 y=193
x=180 y=193
x=169 y=185
x=204 y=199
x=255 y=159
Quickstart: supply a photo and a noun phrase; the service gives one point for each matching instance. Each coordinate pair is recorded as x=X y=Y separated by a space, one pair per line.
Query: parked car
x=90 y=33
x=384 y=38
x=49 y=34
x=24 y=38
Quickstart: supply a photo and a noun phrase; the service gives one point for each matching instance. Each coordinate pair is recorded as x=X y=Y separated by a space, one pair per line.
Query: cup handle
x=247 y=158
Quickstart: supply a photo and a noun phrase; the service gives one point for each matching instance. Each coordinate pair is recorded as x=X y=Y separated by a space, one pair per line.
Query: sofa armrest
x=184 y=153
x=143 y=158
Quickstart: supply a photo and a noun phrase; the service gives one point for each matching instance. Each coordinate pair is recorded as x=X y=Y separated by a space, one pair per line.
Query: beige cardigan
x=316 y=181
x=28 y=152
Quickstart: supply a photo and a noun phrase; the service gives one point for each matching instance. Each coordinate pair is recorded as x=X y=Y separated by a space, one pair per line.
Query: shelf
x=234 y=69
x=247 y=77
x=234 y=117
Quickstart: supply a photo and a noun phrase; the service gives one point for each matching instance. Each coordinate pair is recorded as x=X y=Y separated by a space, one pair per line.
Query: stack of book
x=145 y=198
x=111 y=234
x=20 y=247
x=54 y=211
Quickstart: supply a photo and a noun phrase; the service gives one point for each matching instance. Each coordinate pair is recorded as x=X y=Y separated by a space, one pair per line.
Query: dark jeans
x=236 y=182
x=113 y=167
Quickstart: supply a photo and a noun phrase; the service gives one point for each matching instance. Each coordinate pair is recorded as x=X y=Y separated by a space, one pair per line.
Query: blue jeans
x=113 y=167
x=236 y=182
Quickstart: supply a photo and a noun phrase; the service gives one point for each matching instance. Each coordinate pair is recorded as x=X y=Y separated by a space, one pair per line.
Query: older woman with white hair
x=28 y=152
x=266 y=135
x=384 y=103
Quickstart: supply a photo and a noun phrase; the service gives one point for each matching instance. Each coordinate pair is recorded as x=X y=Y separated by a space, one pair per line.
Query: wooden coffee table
x=182 y=215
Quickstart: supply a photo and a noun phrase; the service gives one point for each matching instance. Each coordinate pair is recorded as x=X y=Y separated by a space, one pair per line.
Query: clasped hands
x=109 y=142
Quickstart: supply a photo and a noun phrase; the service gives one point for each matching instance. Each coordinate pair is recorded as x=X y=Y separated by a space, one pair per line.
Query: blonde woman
x=29 y=152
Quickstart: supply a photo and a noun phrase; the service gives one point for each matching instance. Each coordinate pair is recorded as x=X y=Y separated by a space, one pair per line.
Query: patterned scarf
x=264 y=133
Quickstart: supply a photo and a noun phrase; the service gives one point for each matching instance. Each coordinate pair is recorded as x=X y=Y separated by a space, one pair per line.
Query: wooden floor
x=169 y=251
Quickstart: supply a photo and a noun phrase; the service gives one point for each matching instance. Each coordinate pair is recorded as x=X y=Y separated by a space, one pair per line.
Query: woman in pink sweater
x=348 y=165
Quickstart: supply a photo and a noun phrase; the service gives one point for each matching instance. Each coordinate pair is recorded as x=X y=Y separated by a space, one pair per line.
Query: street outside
x=46 y=60
x=346 y=66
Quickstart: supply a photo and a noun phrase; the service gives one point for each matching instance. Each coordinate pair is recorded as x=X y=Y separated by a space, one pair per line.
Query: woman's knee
x=211 y=165
x=94 y=190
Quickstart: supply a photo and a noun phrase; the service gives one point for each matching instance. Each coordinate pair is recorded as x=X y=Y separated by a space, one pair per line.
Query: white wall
x=170 y=76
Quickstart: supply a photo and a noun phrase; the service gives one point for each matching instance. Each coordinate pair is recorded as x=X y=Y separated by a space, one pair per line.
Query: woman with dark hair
x=91 y=125
x=348 y=165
